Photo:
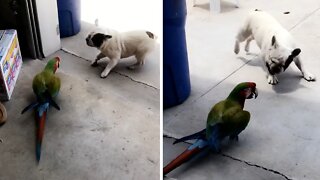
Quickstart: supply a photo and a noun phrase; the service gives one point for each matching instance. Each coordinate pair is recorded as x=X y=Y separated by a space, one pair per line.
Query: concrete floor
x=283 y=135
x=106 y=129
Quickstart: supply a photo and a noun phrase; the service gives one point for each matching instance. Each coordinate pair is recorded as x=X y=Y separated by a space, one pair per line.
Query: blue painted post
x=176 y=80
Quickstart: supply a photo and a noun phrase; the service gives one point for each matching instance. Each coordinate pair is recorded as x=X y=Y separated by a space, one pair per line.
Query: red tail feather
x=182 y=158
x=40 y=129
x=40 y=121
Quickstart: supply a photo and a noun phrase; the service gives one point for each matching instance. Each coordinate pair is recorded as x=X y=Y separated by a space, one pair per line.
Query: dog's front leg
x=271 y=78
x=112 y=63
x=306 y=75
x=95 y=62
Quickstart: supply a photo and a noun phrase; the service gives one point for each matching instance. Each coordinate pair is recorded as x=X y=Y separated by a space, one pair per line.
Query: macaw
x=46 y=86
x=226 y=118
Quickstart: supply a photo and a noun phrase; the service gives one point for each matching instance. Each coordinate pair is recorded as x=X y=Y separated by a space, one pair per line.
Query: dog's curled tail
x=151 y=35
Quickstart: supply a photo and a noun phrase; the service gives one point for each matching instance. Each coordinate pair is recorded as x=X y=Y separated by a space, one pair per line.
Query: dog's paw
x=132 y=67
x=94 y=63
x=136 y=65
x=104 y=74
x=308 y=76
x=272 y=80
x=237 y=48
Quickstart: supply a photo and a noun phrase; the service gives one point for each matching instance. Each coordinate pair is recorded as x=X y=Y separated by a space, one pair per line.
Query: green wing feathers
x=46 y=82
x=231 y=116
x=54 y=86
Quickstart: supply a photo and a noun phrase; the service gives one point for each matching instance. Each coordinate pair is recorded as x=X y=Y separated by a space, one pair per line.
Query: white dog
x=277 y=46
x=116 y=45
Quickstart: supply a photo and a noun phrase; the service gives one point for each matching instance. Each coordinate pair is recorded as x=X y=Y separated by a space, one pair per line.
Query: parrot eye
x=247 y=92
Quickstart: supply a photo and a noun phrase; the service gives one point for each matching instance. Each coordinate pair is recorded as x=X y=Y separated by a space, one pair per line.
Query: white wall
x=124 y=15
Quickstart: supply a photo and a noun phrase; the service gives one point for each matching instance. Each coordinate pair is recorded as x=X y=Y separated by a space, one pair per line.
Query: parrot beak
x=58 y=61
x=255 y=93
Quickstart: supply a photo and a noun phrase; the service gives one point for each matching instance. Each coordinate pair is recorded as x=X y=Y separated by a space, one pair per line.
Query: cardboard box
x=10 y=62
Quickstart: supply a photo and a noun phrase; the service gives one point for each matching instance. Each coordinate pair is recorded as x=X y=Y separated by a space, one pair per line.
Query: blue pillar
x=176 y=80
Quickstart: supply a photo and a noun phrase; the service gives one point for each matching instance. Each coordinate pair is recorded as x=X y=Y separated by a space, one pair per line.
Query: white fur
x=123 y=45
x=261 y=27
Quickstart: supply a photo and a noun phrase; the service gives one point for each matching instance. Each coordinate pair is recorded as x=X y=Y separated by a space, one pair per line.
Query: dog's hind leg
x=242 y=35
x=133 y=66
x=247 y=47
x=140 y=61
x=306 y=75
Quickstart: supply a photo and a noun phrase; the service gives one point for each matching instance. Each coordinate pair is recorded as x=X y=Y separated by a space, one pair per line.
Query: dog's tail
x=151 y=35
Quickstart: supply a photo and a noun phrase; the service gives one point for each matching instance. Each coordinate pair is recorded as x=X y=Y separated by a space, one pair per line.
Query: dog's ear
x=99 y=38
x=107 y=36
x=274 y=42
x=295 y=52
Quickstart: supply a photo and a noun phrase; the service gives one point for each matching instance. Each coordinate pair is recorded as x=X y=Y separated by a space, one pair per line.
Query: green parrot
x=226 y=119
x=46 y=86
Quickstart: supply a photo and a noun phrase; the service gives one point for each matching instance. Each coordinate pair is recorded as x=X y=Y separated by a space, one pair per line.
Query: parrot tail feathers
x=198 y=135
x=54 y=104
x=51 y=101
x=194 y=150
x=40 y=120
x=30 y=106
x=182 y=158
x=214 y=141
x=38 y=151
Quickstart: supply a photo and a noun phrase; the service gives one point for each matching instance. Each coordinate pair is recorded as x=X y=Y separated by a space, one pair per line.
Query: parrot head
x=245 y=90
x=53 y=64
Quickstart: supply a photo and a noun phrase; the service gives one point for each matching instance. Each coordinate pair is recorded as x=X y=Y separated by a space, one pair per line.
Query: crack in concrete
x=136 y=80
x=121 y=74
x=256 y=165
x=233 y=72
x=242 y=161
